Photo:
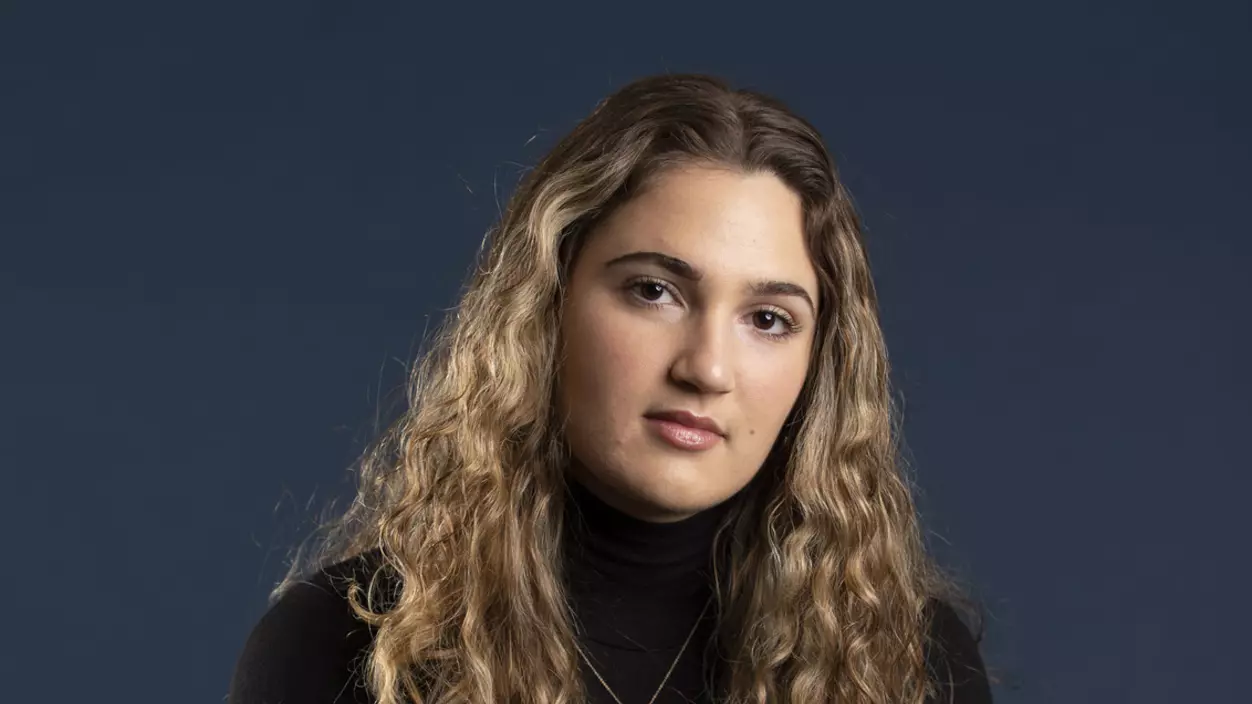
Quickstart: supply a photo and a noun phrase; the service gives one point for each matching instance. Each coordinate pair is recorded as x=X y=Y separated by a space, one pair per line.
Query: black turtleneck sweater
x=636 y=588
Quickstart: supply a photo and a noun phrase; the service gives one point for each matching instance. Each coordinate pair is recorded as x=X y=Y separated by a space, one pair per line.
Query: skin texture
x=706 y=348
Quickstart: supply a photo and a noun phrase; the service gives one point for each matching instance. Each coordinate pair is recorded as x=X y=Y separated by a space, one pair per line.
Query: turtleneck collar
x=635 y=584
x=607 y=545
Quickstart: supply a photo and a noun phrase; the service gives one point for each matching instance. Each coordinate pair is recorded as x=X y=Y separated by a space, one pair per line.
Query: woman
x=650 y=459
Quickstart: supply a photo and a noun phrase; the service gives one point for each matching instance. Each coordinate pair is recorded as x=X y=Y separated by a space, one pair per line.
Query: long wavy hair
x=823 y=591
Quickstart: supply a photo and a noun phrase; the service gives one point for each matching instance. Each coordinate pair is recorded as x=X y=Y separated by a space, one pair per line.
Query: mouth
x=685 y=431
x=688 y=419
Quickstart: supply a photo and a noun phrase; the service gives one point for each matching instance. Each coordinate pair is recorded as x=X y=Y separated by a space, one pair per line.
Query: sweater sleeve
x=308 y=648
x=953 y=659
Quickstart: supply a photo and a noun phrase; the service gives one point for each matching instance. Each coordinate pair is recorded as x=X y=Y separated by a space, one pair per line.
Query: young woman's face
x=642 y=338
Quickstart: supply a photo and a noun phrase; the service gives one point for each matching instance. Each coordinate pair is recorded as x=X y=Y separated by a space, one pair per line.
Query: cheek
x=605 y=362
x=768 y=396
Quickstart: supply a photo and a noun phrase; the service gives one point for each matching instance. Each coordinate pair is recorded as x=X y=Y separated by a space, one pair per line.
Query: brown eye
x=789 y=326
x=769 y=316
x=651 y=286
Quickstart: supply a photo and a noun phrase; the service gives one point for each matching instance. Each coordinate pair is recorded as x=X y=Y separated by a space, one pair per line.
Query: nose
x=703 y=360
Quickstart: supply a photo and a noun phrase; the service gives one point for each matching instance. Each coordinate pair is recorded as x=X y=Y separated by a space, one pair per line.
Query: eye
x=771 y=316
x=647 y=290
x=649 y=287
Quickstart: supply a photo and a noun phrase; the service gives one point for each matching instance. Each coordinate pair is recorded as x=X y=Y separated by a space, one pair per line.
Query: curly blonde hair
x=824 y=589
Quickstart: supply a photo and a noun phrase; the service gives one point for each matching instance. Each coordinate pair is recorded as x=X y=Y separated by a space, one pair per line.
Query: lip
x=688 y=419
x=683 y=437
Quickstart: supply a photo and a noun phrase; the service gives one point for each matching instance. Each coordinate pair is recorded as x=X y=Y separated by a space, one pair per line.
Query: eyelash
x=789 y=322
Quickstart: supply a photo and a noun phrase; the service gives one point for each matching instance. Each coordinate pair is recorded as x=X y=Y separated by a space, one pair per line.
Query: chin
x=662 y=491
x=676 y=501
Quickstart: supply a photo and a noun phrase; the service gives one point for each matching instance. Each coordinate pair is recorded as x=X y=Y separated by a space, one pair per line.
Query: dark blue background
x=226 y=225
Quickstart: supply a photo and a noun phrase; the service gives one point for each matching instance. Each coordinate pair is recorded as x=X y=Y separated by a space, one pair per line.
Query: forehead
x=728 y=224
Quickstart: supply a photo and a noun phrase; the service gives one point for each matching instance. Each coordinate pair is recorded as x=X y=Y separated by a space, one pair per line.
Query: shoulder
x=309 y=645
x=953 y=658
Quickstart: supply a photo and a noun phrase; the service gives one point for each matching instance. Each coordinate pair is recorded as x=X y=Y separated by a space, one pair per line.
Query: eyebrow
x=685 y=270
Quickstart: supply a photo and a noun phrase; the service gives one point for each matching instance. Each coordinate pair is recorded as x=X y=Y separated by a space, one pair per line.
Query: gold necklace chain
x=669 y=672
